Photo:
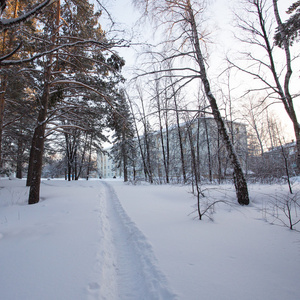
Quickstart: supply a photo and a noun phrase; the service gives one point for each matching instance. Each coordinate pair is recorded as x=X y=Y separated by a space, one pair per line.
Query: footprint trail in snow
x=126 y=260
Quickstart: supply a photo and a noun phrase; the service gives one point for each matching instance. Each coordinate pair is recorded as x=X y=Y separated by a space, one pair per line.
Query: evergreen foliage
x=291 y=27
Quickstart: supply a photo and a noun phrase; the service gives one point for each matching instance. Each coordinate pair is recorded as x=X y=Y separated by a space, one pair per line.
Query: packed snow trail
x=129 y=268
x=76 y=243
x=82 y=242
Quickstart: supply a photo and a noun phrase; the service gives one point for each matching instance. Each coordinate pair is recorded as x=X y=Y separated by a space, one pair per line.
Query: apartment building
x=199 y=137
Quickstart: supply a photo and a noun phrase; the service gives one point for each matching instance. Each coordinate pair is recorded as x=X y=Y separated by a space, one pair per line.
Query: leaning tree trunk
x=239 y=179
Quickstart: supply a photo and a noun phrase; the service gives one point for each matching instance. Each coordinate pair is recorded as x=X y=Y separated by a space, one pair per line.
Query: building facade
x=105 y=165
x=164 y=152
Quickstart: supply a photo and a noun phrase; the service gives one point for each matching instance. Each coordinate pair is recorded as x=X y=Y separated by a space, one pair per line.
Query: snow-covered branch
x=60 y=128
x=8 y=23
x=84 y=85
x=104 y=46
x=11 y=53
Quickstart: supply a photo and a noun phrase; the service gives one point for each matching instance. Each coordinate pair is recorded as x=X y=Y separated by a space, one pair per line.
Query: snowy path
x=106 y=240
x=129 y=268
x=76 y=243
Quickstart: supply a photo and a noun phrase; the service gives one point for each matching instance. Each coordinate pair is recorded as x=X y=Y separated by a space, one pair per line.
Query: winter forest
x=191 y=104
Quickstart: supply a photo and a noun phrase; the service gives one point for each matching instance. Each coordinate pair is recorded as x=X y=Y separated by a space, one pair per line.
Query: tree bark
x=124 y=154
x=138 y=139
x=239 y=179
x=39 y=133
x=20 y=151
x=147 y=145
x=208 y=149
x=38 y=145
x=165 y=159
x=179 y=137
x=2 y=104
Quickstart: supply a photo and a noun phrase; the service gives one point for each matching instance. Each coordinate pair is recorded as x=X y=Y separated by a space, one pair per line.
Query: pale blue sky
x=126 y=15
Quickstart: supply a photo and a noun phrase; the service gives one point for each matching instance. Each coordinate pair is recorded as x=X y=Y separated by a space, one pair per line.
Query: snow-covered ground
x=109 y=240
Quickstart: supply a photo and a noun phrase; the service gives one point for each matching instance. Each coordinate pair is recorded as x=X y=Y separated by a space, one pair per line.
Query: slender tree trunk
x=2 y=105
x=180 y=140
x=69 y=156
x=239 y=179
x=193 y=155
x=208 y=149
x=30 y=163
x=198 y=147
x=162 y=134
x=90 y=158
x=19 y=158
x=124 y=154
x=75 y=177
x=139 y=139
x=3 y=86
x=69 y=171
x=148 y=156
x=125 y=170
x=167 y=145
x=87 y=144
x=147 y=145
x=219 y=159
x=195 y=171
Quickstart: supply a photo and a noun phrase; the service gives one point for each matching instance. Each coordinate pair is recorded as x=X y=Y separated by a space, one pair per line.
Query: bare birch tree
x=180 y=18
x=270 y=66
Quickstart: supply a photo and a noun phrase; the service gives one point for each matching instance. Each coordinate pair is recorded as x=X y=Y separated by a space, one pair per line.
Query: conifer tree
x=291 y=27
x=123 y=150
x=70 y=44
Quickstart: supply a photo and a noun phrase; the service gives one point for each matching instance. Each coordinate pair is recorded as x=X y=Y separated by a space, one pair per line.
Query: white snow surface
x=110 y=240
